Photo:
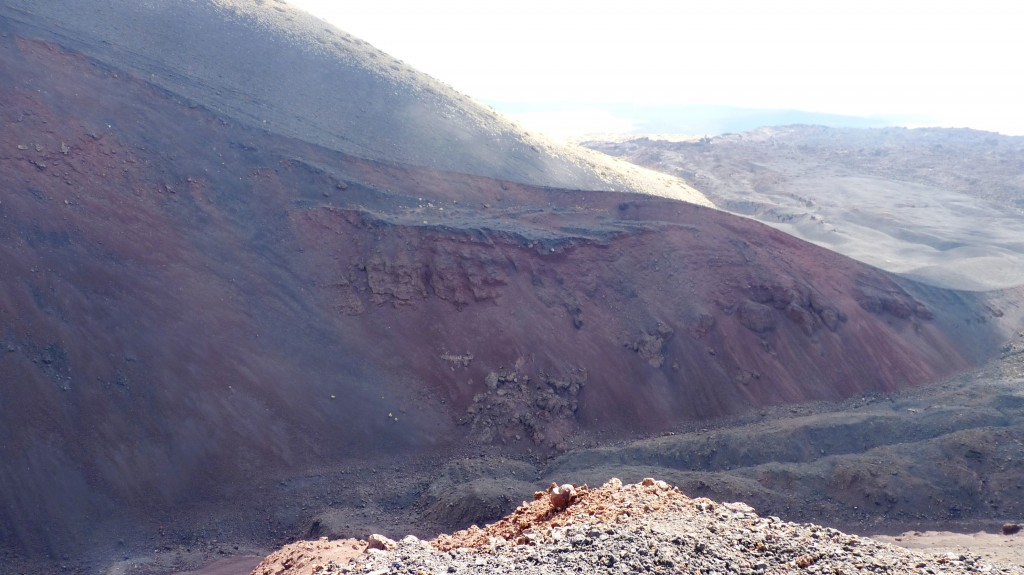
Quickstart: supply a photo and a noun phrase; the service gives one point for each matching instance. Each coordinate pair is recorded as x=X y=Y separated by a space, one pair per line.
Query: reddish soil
x=196 y=315
x=304 y=557
x=553 y=534
x=605 y=504
x=529 y=523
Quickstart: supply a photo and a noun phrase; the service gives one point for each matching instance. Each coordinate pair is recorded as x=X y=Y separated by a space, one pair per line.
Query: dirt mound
x=565 y=505
x=646 y=527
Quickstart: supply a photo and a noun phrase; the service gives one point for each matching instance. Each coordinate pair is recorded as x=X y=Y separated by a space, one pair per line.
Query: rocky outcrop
x=516 y=407
x=806 y=307
x=650 y=346
x=647 y=527
x=893 y=302
x=756 y=317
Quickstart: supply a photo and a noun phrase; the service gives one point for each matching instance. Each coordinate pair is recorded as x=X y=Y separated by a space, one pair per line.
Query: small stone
x=805 y=561
x=377 y=541
x=561 y=497
x=1011 y=528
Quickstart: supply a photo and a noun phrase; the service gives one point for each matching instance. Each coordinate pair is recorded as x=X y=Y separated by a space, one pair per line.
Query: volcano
x=231 y=261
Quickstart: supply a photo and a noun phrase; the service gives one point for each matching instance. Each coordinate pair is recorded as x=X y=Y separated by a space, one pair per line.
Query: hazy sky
x=955 y=63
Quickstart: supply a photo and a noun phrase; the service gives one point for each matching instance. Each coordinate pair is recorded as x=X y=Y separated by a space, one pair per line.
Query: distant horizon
x=575 y=121
x=942 y=64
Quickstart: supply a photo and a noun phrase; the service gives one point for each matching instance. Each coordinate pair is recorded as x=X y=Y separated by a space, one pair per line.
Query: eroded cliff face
x=192 y=309
x=678 y=317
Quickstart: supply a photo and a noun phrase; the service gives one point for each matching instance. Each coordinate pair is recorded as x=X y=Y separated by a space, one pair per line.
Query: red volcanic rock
x=643 y=528
x=560 y=496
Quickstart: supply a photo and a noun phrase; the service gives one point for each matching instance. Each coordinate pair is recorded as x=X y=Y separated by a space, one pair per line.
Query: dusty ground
x=991 y=546
x=232 y=566
x=930 y=457
x=833 y=478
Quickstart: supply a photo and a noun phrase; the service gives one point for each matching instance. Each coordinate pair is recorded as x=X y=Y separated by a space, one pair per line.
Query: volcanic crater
x=216 y=330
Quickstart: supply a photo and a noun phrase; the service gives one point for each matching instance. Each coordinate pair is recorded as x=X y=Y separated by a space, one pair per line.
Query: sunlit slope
x=279 y=69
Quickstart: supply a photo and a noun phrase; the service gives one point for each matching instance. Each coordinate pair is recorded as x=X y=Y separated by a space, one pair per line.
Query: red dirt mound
x=308 y=557
x=565 y=505
x=641 y=528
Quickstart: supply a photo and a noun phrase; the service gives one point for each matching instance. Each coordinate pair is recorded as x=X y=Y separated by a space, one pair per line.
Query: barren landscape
x=647 y=527
x=945 y=206
x=230 y=319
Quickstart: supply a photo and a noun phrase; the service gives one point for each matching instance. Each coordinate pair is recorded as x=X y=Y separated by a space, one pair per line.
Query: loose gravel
x=650 y=527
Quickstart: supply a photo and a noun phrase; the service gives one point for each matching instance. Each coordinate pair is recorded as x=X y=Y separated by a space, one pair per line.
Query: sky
x=951 y=64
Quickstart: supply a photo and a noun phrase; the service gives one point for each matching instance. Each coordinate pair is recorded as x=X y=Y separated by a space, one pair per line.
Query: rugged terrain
x=218 y=334
x=648 y=527
x=945 y=206
x=893 y=467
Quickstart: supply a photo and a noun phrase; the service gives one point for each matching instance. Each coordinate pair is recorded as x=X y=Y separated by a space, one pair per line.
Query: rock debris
x=649 y=527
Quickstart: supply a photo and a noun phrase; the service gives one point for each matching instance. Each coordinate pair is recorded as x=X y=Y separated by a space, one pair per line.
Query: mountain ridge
x=277 y=68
